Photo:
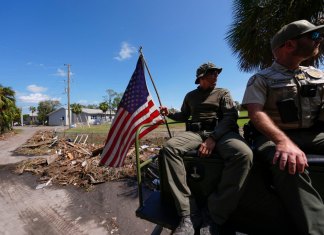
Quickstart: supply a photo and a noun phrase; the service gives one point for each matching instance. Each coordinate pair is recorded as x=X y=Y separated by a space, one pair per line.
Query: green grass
x=99 y=129
x=103 y=129
x=242 y=120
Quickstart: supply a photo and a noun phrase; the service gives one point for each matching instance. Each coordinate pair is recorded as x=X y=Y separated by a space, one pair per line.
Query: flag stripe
x=116 y=138
x=131 y=138
x=128 y=141
x=141 y=118
x=135 y=109
x=121 y=116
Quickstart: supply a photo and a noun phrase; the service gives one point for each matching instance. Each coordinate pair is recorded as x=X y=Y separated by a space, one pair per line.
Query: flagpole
x=157 y=94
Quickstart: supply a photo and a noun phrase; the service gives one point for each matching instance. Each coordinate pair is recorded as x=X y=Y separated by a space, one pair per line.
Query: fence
x=89 y=138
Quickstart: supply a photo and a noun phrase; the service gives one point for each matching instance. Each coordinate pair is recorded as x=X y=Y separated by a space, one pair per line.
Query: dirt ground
x=108 y=209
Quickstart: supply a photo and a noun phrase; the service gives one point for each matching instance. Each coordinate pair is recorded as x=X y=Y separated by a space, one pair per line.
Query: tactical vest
x=294 y=100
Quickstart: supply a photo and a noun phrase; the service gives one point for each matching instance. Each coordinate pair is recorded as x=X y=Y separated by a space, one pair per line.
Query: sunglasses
x=315 y=36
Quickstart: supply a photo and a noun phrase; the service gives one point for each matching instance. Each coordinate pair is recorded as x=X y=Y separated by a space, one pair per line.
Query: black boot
x=185 y=227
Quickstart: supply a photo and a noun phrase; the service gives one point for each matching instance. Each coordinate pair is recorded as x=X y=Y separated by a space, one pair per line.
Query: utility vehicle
x=158 y=207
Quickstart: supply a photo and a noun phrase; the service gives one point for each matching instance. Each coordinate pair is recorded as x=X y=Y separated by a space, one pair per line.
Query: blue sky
x=100 y=39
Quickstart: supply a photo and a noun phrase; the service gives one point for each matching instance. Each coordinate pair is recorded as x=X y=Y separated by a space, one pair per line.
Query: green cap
x=293 y=30
x=204 y=68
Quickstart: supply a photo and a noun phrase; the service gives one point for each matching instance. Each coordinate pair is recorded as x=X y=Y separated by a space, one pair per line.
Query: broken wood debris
x=68 y=163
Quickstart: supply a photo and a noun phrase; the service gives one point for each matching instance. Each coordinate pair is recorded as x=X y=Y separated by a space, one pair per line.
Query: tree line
x=9 y=112
x=110 y=103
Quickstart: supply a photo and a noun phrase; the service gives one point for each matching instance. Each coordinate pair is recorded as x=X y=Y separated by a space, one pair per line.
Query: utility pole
x=21 y=117
x=68 y=94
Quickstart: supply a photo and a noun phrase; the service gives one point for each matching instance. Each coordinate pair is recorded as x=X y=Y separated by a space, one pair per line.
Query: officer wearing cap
x=212 y=128
x=285 y=103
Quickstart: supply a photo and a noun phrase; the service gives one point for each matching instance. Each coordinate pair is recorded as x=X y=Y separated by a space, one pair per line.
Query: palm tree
x=254 y=25
x=32 y=110
x=7 y=108
x=104 y=107
x=109 y=99
x=7 y=97
x=76 y=109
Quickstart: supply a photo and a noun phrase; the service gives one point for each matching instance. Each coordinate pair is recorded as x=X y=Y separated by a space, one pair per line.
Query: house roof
x=56 y=111
x=92 y=111
x=85 y=110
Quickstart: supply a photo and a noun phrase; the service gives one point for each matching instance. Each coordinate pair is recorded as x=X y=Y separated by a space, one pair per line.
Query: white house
x=59 y=117
x=31 y=118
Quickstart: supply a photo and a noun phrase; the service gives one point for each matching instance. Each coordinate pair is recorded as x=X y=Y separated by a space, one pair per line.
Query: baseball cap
x=293 y=30
x=204 y=68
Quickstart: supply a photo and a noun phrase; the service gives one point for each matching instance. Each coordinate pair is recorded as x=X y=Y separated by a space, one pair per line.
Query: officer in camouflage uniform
x=285 y=103
x=212 y=127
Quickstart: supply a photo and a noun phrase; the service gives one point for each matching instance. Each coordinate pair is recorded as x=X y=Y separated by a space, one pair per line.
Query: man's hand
x=164 y=111
x=207 y=147
x=287 y=153
x=291 y=156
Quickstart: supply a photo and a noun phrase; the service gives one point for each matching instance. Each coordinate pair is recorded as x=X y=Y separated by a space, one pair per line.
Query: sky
x=100 y=40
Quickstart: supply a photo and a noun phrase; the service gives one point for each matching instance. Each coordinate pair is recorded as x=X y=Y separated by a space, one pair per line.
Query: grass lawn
x=243 y=118
x=99 y=129
x=103 y=129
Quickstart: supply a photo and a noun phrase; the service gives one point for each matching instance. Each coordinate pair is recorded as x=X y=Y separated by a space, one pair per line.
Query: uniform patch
x=300 y=76
x=315 y=73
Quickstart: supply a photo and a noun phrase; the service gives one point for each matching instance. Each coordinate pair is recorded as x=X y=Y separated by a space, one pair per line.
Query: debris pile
x=6 y=135
x=64 y=162
x=42 y=143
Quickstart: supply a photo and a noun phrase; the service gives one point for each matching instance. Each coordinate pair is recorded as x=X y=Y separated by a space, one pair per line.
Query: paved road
x=56 y=210
x=9 y=145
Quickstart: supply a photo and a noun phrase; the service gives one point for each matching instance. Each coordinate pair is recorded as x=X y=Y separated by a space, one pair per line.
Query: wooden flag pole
x=157 y=94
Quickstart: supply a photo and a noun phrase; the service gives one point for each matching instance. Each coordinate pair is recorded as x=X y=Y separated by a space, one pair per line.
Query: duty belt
x=207 y=126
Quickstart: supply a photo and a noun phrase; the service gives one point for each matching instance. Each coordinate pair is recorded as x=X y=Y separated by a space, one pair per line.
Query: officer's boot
x=185 y=227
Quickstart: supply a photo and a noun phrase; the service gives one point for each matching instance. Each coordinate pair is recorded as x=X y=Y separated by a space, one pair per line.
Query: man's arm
x=286 y=150
x=228 y=114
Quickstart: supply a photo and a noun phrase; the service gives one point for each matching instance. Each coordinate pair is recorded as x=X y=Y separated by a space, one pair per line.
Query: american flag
x=135 y=108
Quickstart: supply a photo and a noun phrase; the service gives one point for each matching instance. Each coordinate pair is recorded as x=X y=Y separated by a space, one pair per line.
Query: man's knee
x=245 y=152
x=236 y=149
x=169 y=144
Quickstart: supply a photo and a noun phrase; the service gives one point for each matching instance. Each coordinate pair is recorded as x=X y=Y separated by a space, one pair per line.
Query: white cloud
x=30 y=63
x=125 y=52
x=36 y=98
x=33 y=98
x=36 y=89
x=60 y=73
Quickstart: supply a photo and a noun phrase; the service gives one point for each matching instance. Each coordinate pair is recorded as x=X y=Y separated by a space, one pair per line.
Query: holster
x=206 y=125
x=250 y=133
